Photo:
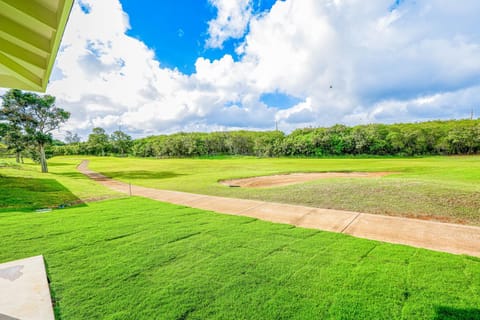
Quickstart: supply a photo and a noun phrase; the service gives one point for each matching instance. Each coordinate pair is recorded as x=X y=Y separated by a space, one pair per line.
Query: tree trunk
x=43 y=159
x=17 y=154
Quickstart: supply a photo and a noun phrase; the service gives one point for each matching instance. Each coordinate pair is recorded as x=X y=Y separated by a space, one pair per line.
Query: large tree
x=34 y=117
x=71 y=138
x=98 y=142
x=15 y=140
x=3 y=129
x=121 y=142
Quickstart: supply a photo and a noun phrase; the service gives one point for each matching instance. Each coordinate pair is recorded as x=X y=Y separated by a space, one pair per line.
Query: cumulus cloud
x=351 y=58
x=346 y=61
x=231 y=21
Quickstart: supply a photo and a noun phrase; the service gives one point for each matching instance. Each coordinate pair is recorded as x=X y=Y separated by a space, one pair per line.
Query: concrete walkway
x=24 y=291
x=446 y=237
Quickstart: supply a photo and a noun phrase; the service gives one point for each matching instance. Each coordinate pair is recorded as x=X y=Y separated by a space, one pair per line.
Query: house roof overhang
x=30 y=35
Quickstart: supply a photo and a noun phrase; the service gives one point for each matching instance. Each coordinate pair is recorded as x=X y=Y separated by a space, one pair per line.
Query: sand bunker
x=292 y=178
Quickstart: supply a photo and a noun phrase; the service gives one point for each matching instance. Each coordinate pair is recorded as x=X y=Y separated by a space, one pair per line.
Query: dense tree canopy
x=408 y=139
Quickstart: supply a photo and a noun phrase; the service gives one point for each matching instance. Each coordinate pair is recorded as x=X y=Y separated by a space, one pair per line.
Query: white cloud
x=367 y=53
x=348 y=61
x=231 y=21
x=301 y=113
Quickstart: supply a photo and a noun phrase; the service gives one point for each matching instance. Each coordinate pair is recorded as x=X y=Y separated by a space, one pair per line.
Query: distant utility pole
x=276 y=125
x=471 y=114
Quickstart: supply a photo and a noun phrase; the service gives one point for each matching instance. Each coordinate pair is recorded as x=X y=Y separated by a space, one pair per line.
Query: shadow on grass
x=59 y=164
x=27 y=194
x=74 y=175
x=53 y=294
x=142 y=174
x=449 y=313
x=137 y=174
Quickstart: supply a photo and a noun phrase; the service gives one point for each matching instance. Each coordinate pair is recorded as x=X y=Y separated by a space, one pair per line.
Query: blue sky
x=177 y=30
x=156 y=67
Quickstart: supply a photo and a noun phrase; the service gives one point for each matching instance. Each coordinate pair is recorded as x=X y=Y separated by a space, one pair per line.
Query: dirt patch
x=293 y=178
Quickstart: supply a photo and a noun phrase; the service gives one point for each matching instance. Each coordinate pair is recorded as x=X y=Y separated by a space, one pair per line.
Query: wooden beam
x=22 y=53
x=20 y=71
x=14 y=82
x=36 y=11
x=30 y=36
x=64 y=9
x=61 y=8
x=24 y=34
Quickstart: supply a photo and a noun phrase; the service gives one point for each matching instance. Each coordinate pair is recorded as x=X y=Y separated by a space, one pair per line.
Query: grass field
x=439 y=188
x=140 y=259
x=23 y=187
x=133 y=258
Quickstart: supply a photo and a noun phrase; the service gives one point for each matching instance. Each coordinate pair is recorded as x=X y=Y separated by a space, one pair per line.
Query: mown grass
x=23 y=187
x=438 y=188
x=135 y=258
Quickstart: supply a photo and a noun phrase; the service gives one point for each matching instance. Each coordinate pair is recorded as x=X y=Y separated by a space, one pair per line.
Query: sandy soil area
x=292 y=178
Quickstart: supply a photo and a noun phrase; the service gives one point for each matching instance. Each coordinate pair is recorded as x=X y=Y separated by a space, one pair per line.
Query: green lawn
x=438 y=188
x=135 y=258
x=23 y=187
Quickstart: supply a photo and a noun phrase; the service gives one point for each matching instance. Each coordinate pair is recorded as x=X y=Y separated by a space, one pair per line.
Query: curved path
x=446 y=237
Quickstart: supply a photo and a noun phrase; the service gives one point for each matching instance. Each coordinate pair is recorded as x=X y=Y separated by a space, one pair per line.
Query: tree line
x=454 y=137
x=99 y=143
x=27 y=121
